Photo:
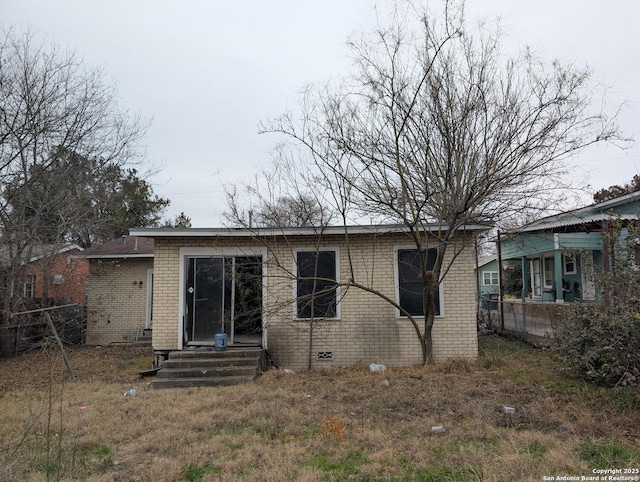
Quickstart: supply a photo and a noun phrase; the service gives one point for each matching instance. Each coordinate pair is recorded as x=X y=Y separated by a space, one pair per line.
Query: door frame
x=205 y=252
x=148 y=322
x=587 y=276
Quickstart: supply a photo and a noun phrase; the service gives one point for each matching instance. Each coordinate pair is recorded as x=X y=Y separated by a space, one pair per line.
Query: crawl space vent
x=324 y=355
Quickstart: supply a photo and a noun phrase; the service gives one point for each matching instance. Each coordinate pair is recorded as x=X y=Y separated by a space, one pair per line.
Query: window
x=29 y=286
x=570 y=264
x=316 y=289
x=490 y=278
x=536 y=278
x=549 y=272
x=410 y=285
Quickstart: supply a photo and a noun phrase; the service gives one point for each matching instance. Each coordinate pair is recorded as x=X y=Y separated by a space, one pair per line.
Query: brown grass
x=339 y=424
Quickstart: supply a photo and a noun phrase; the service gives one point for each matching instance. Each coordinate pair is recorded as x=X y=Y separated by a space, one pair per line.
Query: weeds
x=333 y=426
x=338 y=424
x=195 y=473
x=605 y=455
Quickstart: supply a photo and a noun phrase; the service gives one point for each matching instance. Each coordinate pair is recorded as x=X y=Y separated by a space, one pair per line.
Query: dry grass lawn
x=340 y=424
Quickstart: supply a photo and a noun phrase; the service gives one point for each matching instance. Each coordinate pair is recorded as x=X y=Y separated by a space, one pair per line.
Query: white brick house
x=119 y=290
x=249 y=284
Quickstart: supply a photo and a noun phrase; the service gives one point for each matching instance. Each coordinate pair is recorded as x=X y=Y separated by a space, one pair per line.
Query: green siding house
x=488 y=275
x=560 y=253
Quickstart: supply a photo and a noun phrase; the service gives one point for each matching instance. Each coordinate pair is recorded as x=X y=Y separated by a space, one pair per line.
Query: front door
x=204 y=296
x=223 y=294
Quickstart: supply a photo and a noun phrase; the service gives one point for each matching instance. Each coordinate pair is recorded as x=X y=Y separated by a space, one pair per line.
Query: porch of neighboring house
x=556 y=269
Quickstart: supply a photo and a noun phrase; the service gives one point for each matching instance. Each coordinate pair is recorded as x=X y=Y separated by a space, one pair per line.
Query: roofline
x=65 y=249
x=488 y=260
x=294 y=231
x=572 y=221
x=114 y=256
x=597 y=216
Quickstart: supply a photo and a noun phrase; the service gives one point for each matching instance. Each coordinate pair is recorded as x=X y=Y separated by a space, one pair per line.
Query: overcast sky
x=208 y=71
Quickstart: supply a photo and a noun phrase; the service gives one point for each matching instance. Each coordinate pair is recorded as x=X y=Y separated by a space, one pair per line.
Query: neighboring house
x=488 y=276
x=57 y=276
x=52 y=274
x=276 y=288
x=559 y=254
x=119 y=301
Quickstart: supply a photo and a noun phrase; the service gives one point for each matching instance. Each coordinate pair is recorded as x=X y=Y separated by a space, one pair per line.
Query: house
x=119 y=301
x=51 y=274
x=488 y=275
x=282 y=290
x=57 y=275
x=559 y=254
x=41 y=276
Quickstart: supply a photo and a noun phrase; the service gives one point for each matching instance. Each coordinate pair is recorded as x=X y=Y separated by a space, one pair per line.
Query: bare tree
x=282 y=196
x=50 y=105
x=436 y=129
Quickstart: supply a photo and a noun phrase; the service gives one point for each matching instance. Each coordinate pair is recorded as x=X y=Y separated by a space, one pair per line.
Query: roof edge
x=114 y=256
x=247 y=232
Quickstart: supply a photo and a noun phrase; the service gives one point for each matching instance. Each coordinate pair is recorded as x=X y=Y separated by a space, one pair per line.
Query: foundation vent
x=324 y=355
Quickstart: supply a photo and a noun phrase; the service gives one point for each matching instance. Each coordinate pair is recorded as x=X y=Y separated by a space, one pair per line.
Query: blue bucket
x=220 y=341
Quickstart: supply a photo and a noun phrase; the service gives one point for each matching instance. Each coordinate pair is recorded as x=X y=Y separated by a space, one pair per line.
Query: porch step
x=144 y=340
x=192 y=368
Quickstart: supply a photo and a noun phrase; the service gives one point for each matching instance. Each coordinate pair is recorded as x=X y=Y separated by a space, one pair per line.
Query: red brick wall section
x=61 y=277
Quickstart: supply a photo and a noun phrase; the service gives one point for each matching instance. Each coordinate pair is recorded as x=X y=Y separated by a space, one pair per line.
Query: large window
x=316 y=288
x=410 y=285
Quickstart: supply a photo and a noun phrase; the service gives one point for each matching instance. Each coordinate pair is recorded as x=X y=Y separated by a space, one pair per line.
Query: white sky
x=208 y=71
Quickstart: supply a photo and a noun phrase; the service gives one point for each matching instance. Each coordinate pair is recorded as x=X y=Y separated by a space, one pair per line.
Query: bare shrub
x=601 y=341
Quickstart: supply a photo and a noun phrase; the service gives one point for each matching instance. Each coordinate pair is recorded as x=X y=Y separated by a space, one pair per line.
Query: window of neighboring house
x=570 y=266
x=549 y=271
x=536 y=277
x=29 y=286
x=316 y=288
x=490 y=278
x=409 y=277
x=636 y=256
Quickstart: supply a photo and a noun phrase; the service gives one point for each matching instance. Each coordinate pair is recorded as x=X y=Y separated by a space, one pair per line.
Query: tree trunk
x=430 y=291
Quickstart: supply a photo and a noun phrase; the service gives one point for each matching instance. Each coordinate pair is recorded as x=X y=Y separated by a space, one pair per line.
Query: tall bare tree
x=281 y=196
x=51 y=105
x=437 y=129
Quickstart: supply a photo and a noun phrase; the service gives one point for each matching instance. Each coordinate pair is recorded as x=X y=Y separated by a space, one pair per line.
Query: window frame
x=535 y=269
x=491 y=279
x=399 y=314
x=29 y=288
x=321 y=249
x=569 y=258
x=548 y=266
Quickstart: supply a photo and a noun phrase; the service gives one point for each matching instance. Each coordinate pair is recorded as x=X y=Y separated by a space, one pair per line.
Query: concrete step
x=229 y=353
x=209 y=362
x=199 y=382
x=208 y=372
x=192 y=368
x=144 y=340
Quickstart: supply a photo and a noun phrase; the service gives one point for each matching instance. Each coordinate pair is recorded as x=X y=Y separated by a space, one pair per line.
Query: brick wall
x=116 y=300
x=368 y=329
x=60 y=277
